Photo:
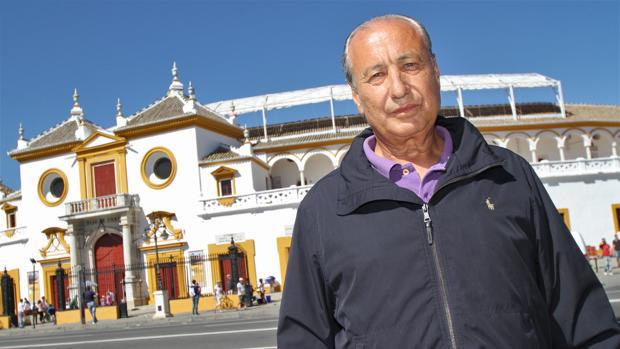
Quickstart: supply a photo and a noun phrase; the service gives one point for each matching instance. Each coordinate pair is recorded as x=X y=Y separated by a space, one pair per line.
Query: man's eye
x=376 y=77
x=411 y=66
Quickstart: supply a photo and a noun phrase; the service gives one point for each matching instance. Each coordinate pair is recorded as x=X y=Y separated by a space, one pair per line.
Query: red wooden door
x=104 y=179
x=226 y=269
x=169 y=279
x=108 y=259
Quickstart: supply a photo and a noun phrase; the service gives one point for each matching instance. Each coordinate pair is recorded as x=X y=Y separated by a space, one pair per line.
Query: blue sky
x=231 y=49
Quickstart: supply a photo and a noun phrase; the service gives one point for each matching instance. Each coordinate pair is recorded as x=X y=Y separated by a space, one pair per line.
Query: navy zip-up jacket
x=487 y=263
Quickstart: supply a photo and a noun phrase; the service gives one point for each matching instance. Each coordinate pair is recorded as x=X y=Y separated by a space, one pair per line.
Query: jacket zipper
x=446 y=307
x=428 y=224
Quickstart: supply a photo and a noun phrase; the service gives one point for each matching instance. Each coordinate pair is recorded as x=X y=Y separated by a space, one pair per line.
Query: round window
x=53 y=187
x=162 y=168
x=57 y=187
x=158 y=168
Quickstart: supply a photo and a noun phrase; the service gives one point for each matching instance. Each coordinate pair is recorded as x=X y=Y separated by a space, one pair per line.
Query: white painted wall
x=588 y=200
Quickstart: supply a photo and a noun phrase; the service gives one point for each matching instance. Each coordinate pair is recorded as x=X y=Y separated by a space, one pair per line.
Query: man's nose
x=398 y=87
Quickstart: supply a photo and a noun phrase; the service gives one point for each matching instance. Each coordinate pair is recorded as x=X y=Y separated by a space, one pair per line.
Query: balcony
x=101 y=205
x=579 y=167
x=262 y=200
x=13 y=236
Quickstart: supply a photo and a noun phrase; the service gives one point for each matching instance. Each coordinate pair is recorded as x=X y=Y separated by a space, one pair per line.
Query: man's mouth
x=405 y=109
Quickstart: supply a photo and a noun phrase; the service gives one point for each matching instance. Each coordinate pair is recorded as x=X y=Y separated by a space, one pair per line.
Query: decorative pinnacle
x=192 y=93
x=175 y=72
x=119 y=108
x=176 y=85
x=232 y=108
x=21 y=132
x=76 y=111
x=76 y=97
x=246 y=132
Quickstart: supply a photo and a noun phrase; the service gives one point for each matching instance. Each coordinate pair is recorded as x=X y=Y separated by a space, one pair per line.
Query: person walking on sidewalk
x=195 y=291
x=606 y=253
x=20 y=313
x=616 y=244
x=90 y=297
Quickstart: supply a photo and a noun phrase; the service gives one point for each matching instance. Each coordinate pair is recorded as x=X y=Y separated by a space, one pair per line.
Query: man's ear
x=356 y=99
x=436 y=69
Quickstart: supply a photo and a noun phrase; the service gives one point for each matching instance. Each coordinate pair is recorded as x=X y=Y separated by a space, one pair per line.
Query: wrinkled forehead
x=395 y=31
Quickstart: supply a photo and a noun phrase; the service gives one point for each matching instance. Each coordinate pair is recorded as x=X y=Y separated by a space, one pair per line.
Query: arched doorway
x=109 y=264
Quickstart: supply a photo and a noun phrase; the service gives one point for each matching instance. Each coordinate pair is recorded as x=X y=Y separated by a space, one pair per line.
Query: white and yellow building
x=91 y=195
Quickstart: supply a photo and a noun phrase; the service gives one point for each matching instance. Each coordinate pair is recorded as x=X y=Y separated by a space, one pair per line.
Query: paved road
x=229 y=334
x=249 y=330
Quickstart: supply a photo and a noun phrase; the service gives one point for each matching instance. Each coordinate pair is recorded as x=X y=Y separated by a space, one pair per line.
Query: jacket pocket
x=499 y=330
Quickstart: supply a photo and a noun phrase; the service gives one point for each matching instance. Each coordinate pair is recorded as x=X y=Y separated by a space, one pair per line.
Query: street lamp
x=34 y=315
x=161 y=229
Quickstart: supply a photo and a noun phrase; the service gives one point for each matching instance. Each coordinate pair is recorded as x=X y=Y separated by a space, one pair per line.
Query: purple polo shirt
x=405 y=176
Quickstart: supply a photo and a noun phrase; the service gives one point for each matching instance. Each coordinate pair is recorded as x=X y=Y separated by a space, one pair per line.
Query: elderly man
x=426 y=236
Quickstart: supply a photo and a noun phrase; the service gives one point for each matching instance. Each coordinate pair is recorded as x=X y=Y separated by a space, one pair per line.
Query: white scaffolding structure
x=457 y=83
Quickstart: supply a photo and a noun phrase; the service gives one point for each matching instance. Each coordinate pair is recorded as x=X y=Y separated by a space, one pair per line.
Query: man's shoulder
x=324 y=191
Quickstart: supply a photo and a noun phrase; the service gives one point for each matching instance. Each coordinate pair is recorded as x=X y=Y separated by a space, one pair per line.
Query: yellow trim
x=14 y=274
x=284 y=245
x=173 y=245
x=54 y=233
x=223 y=173
x=64 y=193
x=616 y=219
x=259 y=162
x=73 y=316
x=180 y=306
x=8 y=210
x=282 y=148
x=183 y=122
x=157 y=217
x=116 y=143
x=566 y=217
x=44 y=152
x=173 y=172
x=247 y=247
x=86 y=162
x=49 y=270
x=164 y=257
x=546 y=126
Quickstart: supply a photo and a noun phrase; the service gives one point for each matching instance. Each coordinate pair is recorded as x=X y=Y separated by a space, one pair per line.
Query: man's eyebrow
x=407 y=56
x=370 y=69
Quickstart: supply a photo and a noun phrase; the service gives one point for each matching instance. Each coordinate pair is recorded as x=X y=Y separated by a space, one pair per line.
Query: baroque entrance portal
x=109 y=264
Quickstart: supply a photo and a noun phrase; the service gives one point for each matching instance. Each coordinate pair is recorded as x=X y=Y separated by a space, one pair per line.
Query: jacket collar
x=362 y=184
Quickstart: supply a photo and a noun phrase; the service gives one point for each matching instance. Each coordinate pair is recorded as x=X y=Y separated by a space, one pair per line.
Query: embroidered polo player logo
x=490 y=205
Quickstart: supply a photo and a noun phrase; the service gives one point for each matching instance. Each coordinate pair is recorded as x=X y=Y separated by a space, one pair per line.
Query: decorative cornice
x=54 y=233
x=181 y=122
x=257 y=161
x=38 y=153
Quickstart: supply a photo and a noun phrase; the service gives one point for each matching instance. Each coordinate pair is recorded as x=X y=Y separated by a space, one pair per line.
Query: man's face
x=396 y=80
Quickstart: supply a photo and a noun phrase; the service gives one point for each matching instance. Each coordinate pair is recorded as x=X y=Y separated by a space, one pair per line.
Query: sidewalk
x=143 y=317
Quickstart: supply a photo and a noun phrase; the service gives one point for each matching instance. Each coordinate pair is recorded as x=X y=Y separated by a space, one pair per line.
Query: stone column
x=614 y=150
x=561 y=141
x=73 y=238
x=532 y=142
x=587 y=143
x=302 y=179
x=132 y=295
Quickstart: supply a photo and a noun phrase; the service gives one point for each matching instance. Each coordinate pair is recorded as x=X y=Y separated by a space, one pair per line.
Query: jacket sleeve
x=306 y=313
x=581 y=313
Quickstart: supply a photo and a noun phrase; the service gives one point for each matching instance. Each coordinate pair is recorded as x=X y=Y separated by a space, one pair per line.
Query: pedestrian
x=606 y=254
x=261 y=291
x=110 y=298
x=230 y=284
x=249 y=294
x=90 y=298
x=219 y=293
x=241 y=292
x=616 y=244
x=481 y=257
x=44 y=307
x=195 y=293
x=20 y=313
x=51 y=312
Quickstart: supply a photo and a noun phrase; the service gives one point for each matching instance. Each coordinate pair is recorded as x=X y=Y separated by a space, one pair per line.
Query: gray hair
x=346 y=62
